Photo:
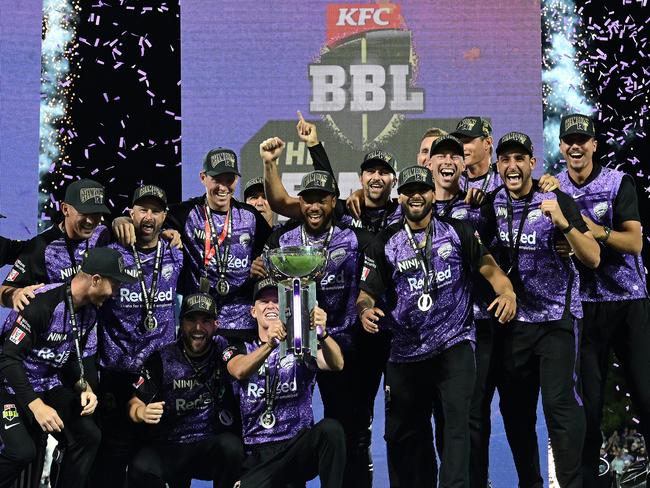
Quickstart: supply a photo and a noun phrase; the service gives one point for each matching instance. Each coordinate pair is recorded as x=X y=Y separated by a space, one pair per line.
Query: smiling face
x=258 y=200
x=377 y=182
x=148 y=216
x=446 y=167
x=219 y=189
x=265 y=309
x=197 y=329
x=316 y=207
x=416 y=201
x=516 y=168
x=476 y=149
x=578 y=151
x=77 y=225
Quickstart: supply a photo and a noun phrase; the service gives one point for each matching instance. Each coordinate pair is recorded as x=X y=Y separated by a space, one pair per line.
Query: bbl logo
x=9 y=412
x=362 y=82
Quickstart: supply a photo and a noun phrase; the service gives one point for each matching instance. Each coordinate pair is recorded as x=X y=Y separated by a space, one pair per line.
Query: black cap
x=473 y=127
x=219 y=161
x=381 y=157
x=87 y=197
x=262 y=285
x=106 y=262
x=252 y=185
x=198 y=302
x=577 y=124
x=414 y=174
x=318 y=180
x=517 y=139
x=151 y=191
x=447 y=142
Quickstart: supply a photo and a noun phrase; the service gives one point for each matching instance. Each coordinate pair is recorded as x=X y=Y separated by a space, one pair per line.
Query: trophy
x=294 y=269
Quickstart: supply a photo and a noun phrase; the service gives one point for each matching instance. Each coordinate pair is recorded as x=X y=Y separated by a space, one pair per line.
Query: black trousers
x=120 y=441
x=21 y=434
x=543 y=356
x=348 y=397
x=218 y=458
x=488 y=354
x=411 y=389
x=625 y=328
x=319 y=451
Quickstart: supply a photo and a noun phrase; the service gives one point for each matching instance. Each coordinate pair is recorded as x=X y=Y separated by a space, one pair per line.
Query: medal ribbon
x=448 y=206
x=199 y=373
x=213 y=243
x=69 y=246
x=75 y=332
x=149 y=297
x=270 y=386
x=423 y=257
x=325 y=243
x=486 y=180
x=513 y=250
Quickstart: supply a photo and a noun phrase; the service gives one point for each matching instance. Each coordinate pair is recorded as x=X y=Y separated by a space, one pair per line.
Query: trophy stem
x=297 y=317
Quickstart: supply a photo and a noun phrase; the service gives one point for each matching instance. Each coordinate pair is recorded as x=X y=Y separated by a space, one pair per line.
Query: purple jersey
x=249 y=232
x=392 y=269
x=488 y=182
x=47 y=257
x=124 y=341
x=619 y=276
x=197 y=392
x=374 y=219
x=337 y=287
x=40 y=342
x=456 y=208
x=292 y=403
x=546 y=284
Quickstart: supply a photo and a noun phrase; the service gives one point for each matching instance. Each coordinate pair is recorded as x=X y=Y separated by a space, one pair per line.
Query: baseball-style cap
x=577 y=124
x=318 y=180
x=447 y=142
x=262 y=285
x=198 y=302
x=516 y=139
x=219 y=161
x=106 y=262
x=252 y=185
x=151 y=191
x=473 y=127
x=87 y=197
x=381 y=157
x=414 y=174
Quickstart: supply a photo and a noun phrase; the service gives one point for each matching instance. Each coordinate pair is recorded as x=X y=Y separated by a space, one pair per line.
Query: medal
x=150 y=322
x=223 y=287
x=425 y=302
x=225 y=417
x=81 y=385
x=204 y=284
x=267 y=420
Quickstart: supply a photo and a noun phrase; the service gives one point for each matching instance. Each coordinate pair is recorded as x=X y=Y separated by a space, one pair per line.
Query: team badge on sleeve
x=9 y=412
x=364 y=273
x=228 y=353
x=17 y=336
x=139 y=383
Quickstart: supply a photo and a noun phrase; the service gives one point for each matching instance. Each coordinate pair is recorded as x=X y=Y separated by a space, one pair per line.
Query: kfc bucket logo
x=363 y=81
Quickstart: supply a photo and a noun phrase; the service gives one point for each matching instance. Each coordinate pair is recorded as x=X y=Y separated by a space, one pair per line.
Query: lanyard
x=73 y=261
x=82 y=383
x=486 y=180
x=513 y=250
x=149 y=297
x=270 y=385
x=424 y=258
x=448 y=206
x=325 y=242
x=368 y=224
x=213 y=242
x=199 y=373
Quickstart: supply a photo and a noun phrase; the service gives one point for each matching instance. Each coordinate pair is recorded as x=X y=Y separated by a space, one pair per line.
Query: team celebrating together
x=149 y=347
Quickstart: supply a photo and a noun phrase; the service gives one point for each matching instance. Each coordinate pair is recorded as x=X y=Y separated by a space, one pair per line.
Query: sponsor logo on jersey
x=17 y=335
x=56 y=337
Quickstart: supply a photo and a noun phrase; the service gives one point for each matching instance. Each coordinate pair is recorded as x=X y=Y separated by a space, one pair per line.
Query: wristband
x=603 y=239
x=325 y=335
x=567 y=229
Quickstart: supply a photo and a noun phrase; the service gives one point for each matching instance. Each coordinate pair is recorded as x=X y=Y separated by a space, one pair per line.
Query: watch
x=603 y=239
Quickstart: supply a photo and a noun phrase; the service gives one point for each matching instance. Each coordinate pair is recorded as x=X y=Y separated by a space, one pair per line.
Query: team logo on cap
x=580 y=122
x=414 y=175
x=150 y=190
x=225 y=158
x=316 y=179
x=120 y=264
x=383 y=155
x=486 y=128
x=203 y=301
x=96 y=194
x=466 y=124
x=344 y=76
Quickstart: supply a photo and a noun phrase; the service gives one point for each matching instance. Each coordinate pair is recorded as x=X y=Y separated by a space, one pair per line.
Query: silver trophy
x=295 y=268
